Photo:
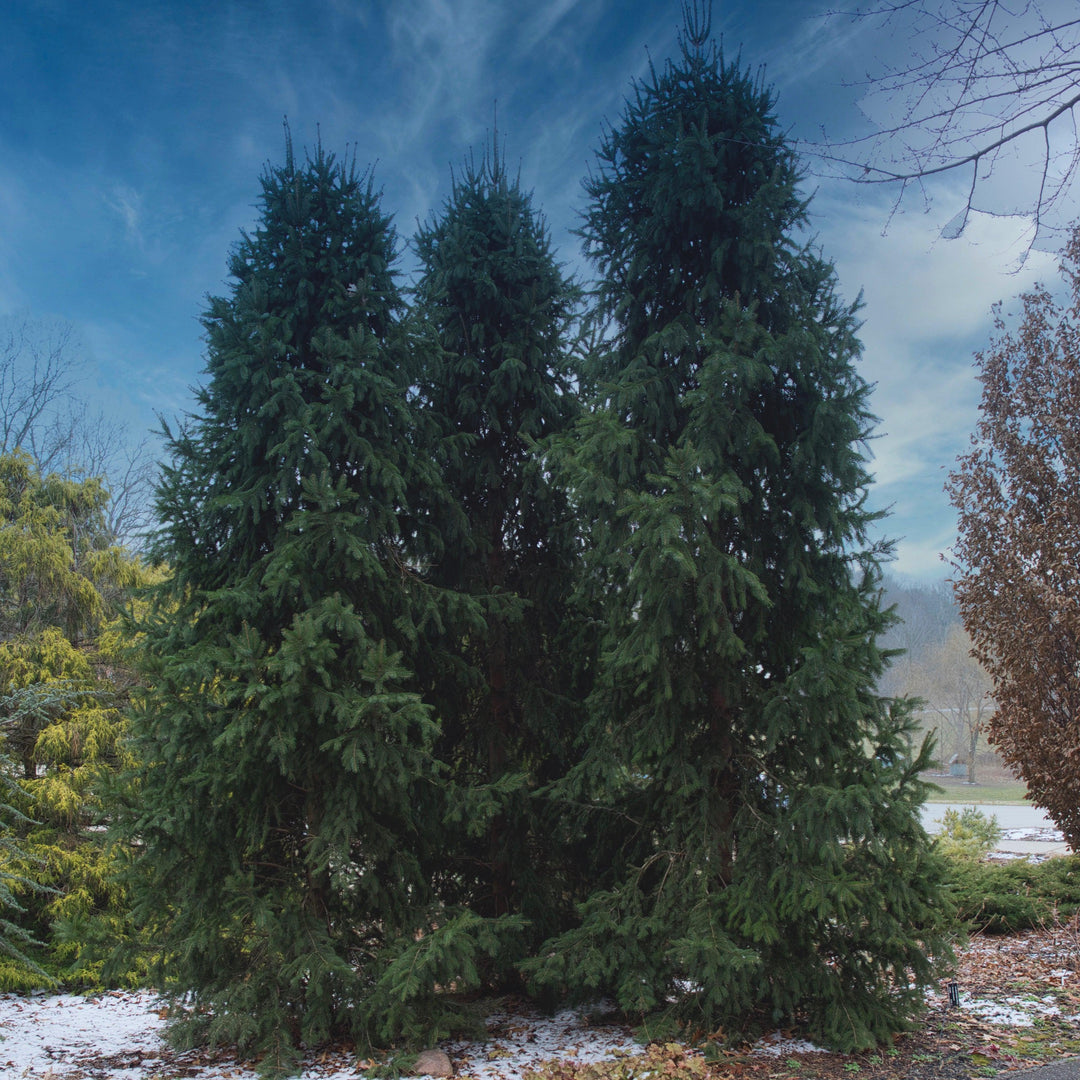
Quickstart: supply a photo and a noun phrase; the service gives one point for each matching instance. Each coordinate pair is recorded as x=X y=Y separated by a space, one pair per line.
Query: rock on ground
x=433 y=1063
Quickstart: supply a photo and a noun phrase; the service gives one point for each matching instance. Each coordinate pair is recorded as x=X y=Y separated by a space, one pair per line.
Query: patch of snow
x=118 y=1036
x=527 y=1039
x=48 y=1034
x=777 y=1045
x=1050 y=836
x=1012 y=1012
x=1033 y=857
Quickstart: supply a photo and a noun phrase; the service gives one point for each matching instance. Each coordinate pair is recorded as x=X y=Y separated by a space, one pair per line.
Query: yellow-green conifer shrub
x=62 y=685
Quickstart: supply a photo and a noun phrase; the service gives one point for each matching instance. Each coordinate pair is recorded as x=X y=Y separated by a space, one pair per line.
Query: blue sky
x=132 y=137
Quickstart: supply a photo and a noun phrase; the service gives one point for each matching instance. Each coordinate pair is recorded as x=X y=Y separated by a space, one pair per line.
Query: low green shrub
x=1003 y=898
x=968 y=833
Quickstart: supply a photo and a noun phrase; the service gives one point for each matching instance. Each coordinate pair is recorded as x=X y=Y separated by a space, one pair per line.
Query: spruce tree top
x=696 y=194
x=495 y=297
x=494 y=292
x=304 y=409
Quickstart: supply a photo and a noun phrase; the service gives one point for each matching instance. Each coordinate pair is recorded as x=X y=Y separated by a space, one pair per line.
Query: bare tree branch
x=103 y=447
x=984 y=76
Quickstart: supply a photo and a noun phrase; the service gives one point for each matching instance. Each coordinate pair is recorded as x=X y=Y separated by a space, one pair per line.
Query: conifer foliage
x=279 y=742
x=64 y=683
x=380 y=758
x=753 y=804
x=498 y=313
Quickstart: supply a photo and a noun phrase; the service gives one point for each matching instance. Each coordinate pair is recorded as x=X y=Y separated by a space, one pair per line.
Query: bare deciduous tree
x=984 y=78
x=1018 y=554
x=100 y=446
x=956 y=689
x=40 y=363
x=41 y=366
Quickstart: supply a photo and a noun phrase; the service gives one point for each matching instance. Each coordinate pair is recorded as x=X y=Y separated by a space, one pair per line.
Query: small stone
x=433 y=1063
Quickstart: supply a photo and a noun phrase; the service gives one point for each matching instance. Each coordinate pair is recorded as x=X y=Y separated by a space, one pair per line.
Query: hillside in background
x=936 y=666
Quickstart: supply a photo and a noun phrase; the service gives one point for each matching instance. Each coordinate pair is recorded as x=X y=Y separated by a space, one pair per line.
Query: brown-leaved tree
x=1018 y=553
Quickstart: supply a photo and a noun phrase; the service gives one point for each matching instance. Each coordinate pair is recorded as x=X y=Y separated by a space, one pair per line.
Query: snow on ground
x=1049 y=836
x=777 y=1045
x=117 y=1036
x=1034 y=845
x=57 y=1034
x=1012 y=1011
x=526 y=1038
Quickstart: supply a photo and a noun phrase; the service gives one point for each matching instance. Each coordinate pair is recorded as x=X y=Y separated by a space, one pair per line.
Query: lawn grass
x=995 y=786
x=993 y=792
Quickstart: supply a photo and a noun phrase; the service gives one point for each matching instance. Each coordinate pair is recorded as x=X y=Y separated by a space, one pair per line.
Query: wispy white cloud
x=126 y=203
x=928 y=309
x=443 y=52
x=537 y=28
x=821 y=42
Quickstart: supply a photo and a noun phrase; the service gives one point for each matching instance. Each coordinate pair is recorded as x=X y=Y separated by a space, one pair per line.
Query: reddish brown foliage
x=1018 y=554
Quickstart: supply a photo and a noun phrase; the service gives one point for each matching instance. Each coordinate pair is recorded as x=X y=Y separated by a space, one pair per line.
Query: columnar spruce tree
x=497 y=312
x=754 y=804
x=281 y=744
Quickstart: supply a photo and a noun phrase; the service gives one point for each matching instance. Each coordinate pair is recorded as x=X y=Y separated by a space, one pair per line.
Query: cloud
x=928 y=307
x=824 y=41
x=537 y=29
x=923 y=289
x=126 y=202
x=443 y=53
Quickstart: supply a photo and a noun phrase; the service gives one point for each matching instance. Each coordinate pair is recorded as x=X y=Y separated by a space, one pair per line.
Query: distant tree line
x=933 y=663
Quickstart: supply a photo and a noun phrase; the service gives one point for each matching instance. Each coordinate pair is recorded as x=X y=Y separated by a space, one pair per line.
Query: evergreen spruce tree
x=280 y=742
x=497 y=312
x=753 y=803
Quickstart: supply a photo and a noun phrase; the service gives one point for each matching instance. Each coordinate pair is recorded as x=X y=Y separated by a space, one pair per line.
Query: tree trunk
x=973 y=743
x=498 y=733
